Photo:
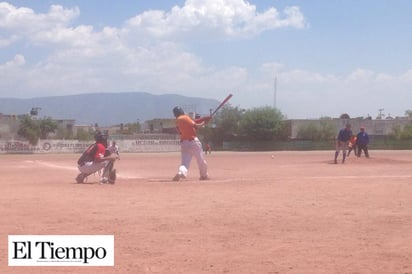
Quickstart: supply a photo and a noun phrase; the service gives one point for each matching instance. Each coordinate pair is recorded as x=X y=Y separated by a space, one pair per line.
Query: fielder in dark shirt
x=342 y=142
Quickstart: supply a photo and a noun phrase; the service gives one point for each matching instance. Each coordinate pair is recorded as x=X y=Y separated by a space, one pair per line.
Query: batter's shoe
x=80 y=178
x=204 y=178
x=178 y=176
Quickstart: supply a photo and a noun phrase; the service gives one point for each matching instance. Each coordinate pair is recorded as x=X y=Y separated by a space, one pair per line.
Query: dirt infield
x=294 y=213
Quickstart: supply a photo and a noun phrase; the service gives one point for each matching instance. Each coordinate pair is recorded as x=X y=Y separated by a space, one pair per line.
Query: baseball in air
x=273 y=156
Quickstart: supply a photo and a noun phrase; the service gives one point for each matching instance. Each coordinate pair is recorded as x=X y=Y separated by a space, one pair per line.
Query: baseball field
x=261 y=212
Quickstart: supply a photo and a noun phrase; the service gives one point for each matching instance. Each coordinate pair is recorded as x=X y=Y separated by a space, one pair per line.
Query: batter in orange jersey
x=190 y=144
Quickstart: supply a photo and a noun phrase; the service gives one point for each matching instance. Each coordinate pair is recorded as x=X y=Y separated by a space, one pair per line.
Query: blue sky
x=329 y=57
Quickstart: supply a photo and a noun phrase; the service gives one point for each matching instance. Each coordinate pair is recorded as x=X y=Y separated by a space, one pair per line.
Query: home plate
x=161 y=180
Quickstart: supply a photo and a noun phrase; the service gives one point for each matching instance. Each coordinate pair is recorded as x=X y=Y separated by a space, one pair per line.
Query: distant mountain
x=107 y=108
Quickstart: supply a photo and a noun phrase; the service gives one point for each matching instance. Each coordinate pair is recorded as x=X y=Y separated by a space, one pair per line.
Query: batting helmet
x=177 y=111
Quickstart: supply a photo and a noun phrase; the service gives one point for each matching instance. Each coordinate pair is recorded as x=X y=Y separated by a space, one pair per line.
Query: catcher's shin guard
x=112 y=176
x=107 y=169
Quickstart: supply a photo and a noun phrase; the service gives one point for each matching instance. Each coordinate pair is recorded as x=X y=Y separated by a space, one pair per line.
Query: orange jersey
x=186 y=127
x=353 y=140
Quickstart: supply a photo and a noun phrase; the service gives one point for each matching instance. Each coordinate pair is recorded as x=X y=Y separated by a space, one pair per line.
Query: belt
x=190 y=140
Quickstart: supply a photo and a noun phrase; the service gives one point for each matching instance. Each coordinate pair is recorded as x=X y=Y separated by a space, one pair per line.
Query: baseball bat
x=221 y=104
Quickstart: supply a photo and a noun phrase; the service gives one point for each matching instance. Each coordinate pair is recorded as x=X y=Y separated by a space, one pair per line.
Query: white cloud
x=12 y=18
x=361 y=74
x=67 y=37
x=307 y=94
x=407 y=76
x=17 y=61
x=83 y=59
x=5 y=42
x=213 y=18
x=24 y=23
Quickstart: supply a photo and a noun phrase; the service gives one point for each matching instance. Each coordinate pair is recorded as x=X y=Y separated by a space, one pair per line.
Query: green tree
x=396 y=132
x=401 y=134
x=47 y=126
x=131 y=128
x=223 y=126
x=344 y=116
x=406 y=133
x=29 y=129
x=408 y=113
x=84 y=135
x=327 y=130
x=308 y=132
x=264 y=123
x=33 y=130
x=63 y=133
x=323 y=132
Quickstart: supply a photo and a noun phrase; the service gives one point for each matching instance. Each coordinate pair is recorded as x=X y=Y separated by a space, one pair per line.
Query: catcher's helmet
x=100 y=138
x=177 y=111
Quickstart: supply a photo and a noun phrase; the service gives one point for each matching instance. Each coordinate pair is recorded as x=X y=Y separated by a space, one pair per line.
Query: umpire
x=362 y=142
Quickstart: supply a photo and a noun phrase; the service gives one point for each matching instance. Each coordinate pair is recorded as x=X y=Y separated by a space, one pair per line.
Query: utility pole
x=275 y=87
x=380 y=113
